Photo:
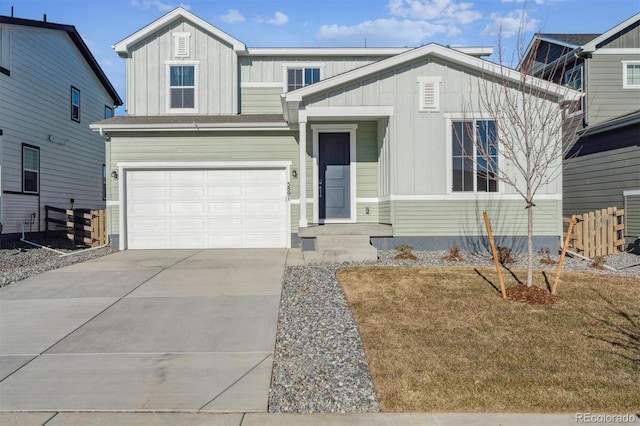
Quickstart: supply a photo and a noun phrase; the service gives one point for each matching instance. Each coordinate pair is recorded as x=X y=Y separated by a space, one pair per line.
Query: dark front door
x=334 y=176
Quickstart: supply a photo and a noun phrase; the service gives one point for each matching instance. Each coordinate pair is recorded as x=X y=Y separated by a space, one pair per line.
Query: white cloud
x=278 y=19
x=440 y=11
x=160 y=5
x=538 y=2
x=381 y=32
x=233 y=16
x=510 y=24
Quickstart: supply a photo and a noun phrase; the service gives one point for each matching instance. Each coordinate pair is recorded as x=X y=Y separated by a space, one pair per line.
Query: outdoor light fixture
x=114 y=174
x=294 y=173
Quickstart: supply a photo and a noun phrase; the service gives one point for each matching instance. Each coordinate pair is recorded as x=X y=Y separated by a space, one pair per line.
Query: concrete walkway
x=167 y=330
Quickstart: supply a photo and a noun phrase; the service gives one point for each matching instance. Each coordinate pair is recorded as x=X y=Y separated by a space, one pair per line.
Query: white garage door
x=227 y=208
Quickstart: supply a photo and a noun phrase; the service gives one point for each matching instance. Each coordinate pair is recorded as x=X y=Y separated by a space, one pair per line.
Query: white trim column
x=302 y=222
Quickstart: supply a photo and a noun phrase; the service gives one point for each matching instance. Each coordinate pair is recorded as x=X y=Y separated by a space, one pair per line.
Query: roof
x=352 y=51
x=633 y=118
x=195 y=122
x=435 y=50
x=122 y=47
x=80 y=45
x=595 y=43
x=574 y=40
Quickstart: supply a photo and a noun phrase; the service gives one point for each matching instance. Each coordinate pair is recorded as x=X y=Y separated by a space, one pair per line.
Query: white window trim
x=168 y=65
x=297 y=66
x=624 y=75
x=176 y=50
x=335 y=128
x=449 y=119
x=422 y=81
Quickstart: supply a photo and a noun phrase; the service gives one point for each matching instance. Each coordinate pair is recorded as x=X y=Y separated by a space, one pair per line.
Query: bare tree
x=524 y=119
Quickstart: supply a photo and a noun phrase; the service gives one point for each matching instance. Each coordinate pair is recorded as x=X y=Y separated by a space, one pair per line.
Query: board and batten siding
x=147 y=72
x=418 y=145
x=628 y=39
x=607 y=98
x=150 y=147
x=464 y=218
x=35 y=105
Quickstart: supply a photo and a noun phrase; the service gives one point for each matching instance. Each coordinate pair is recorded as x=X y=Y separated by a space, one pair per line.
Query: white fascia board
x=439 y=51
x=618 y=51
x=183 y=127
x=324 y=51
x=591 y=46
x=122 y=46
x=630 y=192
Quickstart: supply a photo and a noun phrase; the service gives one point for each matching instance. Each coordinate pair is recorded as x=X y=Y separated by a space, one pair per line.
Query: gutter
x=181 y=127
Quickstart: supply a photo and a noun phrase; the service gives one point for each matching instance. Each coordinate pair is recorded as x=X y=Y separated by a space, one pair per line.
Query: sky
x=333 y=23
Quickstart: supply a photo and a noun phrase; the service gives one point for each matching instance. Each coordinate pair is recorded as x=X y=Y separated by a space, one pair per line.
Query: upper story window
x=5 y=51
x=631 y=74
x=75 y=104
x=181 y=45
x=182 y=88
x=108 y=112
x=30 y=169
x=573 y=79
x=297 y=76
x=474 y=154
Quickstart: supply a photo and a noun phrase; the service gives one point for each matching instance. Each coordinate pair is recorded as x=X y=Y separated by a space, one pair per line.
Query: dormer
x=180 y=64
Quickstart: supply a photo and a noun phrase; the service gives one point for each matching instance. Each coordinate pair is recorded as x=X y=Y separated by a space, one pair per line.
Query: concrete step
x=350 y=255
x=338 y=240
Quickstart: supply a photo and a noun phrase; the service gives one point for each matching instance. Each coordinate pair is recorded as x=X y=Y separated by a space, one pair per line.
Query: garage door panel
x=206 y=208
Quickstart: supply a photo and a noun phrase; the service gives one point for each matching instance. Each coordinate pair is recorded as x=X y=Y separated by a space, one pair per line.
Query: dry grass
x=441 y=340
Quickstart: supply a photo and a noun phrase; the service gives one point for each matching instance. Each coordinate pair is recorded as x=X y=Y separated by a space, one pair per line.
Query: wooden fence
x=598 y=233
x=83 y=226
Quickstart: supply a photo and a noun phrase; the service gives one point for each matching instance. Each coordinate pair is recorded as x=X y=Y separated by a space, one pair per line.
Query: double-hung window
x=474 y=156
x=631 y=74
x=75 y=104
x=182 y=88
x=300 y=77
x=30 y=169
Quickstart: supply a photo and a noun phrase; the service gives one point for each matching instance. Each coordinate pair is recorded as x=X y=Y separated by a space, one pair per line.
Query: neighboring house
x=603 y=167
x=229 y=146
x=51 y=89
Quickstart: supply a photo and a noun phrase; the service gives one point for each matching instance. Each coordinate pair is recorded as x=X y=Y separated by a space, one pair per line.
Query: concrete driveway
x=165 y=330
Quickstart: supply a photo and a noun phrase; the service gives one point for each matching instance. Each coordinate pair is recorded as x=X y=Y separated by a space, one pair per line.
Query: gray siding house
x=603 y=168
x=230 y=146
x=51 y=89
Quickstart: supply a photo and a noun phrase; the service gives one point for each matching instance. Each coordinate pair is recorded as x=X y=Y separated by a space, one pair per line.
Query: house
x=603 y=167
x=230 y=146
x=51 y=89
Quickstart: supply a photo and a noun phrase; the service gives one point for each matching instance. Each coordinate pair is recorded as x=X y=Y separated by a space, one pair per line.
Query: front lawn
x=440 y=339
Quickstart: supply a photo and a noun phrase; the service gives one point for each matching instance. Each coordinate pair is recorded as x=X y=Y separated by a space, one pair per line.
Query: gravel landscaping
x=319 y=362
x=19 y=260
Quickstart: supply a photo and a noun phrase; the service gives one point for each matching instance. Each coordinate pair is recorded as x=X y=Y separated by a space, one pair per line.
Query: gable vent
x=429 y=93
x=181 y=44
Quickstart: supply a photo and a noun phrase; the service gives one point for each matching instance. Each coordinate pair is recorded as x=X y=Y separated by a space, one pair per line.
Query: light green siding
x=165 y=147
x=367 y=160
x=606 y=97
x=260 y=100
x=384 y=212
x=464 y=218
x=371 y=217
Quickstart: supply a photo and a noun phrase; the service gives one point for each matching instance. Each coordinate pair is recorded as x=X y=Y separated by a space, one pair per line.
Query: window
x=573 y=79
x=75 y=104
x=104 y=181
x=300 y=77
x=429 y=94
x=30 y=169
x=108 y=111
x=182 y=87
x=5 y=51
x=631 y=74
x=474 y=156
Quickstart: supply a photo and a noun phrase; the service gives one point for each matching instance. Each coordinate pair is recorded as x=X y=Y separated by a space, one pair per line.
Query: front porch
x=343 y=242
